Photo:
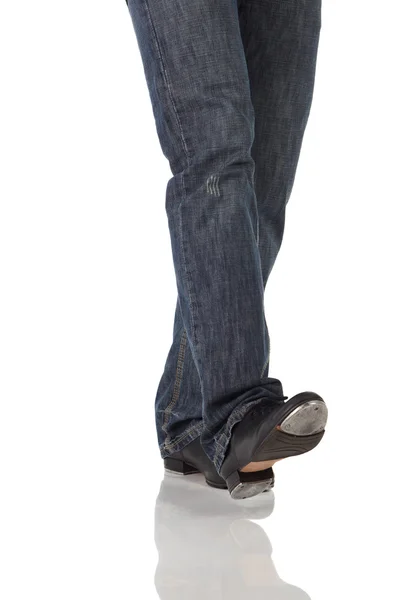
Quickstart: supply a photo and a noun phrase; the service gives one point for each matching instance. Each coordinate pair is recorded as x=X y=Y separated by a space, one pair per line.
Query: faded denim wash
x=231 y=84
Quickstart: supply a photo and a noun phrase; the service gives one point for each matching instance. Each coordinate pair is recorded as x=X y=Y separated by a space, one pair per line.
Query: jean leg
x=178 y=402
x=280 y=39
x=282 y=96
x=199 y=87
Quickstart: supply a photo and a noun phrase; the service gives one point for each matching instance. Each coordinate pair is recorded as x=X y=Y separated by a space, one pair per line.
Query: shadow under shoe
x=193 y=459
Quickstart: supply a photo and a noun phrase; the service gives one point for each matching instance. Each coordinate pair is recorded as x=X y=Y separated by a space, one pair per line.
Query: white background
x=87 y=296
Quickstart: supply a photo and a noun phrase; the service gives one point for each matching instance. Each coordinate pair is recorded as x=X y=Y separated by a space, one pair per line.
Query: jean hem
x=222 y=439
x=181 y=441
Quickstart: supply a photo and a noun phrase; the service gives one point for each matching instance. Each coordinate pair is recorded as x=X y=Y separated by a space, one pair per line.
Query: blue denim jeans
x=231 y=84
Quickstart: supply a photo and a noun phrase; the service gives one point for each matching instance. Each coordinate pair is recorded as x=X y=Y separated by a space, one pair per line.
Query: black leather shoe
x=193 y=459
x=272 y=431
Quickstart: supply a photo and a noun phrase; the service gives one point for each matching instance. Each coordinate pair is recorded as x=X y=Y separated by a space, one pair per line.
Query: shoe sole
x=180 y=467
x=298 y=432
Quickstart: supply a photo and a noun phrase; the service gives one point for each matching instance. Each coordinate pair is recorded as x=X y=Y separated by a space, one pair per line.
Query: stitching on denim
x=269 y=345
x=217 y=443
x=264 y=367
x=166 y=79
x=175 y=110
x=225 y=434
x=172 y=445
x=191 y=303
x=182 y=437
x=177 y=384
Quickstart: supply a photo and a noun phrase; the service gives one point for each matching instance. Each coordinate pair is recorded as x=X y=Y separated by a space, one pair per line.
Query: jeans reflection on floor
x=210 y=549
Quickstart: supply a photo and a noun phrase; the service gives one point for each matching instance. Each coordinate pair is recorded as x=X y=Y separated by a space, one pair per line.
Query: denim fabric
x=231 y=85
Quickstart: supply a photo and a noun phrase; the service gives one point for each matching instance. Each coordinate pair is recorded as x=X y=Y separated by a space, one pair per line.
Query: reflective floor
x=324 y=537
x=88 y=521
x=210 y=547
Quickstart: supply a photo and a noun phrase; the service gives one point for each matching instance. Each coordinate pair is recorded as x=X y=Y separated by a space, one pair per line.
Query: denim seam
x=166 y=78
x=268 y=342
x=185 y=148
x=177 y=384
x=269 y=351
x=172 y=445
x=264 y=367
x=191 y=303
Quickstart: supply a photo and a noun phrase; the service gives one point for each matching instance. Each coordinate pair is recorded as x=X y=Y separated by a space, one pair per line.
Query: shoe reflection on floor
x=209 y=549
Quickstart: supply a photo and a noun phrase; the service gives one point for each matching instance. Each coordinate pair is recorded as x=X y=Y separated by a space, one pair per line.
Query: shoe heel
x=175 y=465
x=246 y=484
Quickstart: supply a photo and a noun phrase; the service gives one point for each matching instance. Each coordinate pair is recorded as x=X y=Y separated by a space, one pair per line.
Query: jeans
x=231 y=85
